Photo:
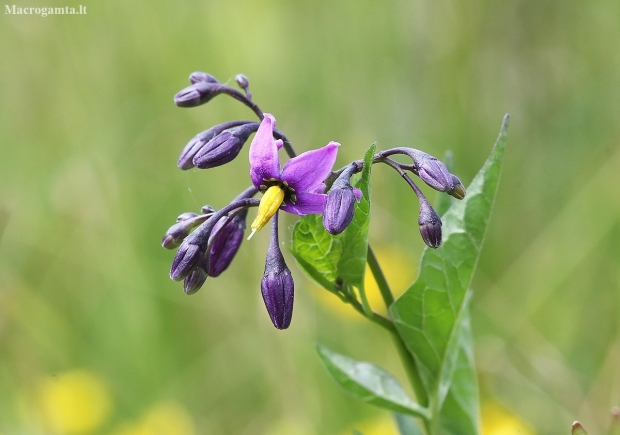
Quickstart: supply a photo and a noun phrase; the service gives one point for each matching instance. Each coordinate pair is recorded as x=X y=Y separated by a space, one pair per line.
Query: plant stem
x=377 y=273
x=406 y=358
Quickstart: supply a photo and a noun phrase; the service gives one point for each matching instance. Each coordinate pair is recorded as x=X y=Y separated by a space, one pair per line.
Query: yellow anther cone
x=269 y=205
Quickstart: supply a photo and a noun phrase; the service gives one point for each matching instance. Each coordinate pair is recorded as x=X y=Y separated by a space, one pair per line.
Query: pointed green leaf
x=352 y=264
x=317 y=252
x=431 y=317
x=369 y=383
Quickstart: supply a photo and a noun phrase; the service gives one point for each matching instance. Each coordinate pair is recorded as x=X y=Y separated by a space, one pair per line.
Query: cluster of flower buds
x=207 y=242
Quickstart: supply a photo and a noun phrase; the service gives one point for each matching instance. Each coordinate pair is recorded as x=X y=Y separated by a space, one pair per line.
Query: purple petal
x=264 y=162
x=310 y=168
x=307 y=203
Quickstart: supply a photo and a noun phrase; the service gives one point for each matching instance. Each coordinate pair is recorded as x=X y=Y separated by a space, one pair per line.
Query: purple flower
x=296 y=188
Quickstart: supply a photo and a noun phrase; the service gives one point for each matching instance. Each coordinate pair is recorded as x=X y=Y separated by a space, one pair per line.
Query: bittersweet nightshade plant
x=429 y=323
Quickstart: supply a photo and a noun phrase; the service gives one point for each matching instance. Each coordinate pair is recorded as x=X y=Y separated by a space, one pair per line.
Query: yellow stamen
x=269 y=205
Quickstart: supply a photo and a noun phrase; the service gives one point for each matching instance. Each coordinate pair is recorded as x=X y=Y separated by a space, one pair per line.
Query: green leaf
x=431 y=316
x=407 y=425
x=317 y=252
x=352 y=264
x=369 y=383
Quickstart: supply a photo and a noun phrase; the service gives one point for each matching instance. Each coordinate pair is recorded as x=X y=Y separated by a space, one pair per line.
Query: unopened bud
x=200 y=140
x=339 y=209
x=199 y=76
x=197 y=94
x=224 y=147
x=228 y=238
x=179 y=231
x=430 y=224
x=207 y=209
x=187 y=258
x=277 y=286
x=195 y=280
x=242 y=81
x=191 y=252
x=434 y=173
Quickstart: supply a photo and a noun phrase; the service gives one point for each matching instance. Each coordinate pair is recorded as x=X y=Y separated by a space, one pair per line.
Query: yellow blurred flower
x=74 y=402
x=496 y=420
x=163 y=418
x=399 y=270
x=384 y=425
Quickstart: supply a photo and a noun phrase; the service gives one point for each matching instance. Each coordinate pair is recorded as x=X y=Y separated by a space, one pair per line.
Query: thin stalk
x=377 y=273
x=406 y=358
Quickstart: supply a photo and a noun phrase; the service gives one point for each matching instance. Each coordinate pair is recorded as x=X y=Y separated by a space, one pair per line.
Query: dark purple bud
x=179 y=231
x=430 y=224
x=242 y=81
x=228 y=238
x=197 y=94
x=340 y=205
x=200 y=140
x=277 y=284
x=434 y=173
x=224 y=147
x=458 y=191
x=195 y=280
x=187 y=258
x=199 y=76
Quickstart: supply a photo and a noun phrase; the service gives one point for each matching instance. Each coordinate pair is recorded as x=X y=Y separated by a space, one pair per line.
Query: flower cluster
x=305 y=184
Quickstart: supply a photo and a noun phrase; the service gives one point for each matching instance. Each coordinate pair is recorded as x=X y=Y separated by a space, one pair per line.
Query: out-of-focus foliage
x=89 y=138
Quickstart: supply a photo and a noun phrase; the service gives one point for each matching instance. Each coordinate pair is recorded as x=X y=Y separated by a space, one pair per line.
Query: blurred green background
x=96 y=339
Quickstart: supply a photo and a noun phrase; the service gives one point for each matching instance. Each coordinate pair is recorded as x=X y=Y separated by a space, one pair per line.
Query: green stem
x=406 y=358
x=377 y=273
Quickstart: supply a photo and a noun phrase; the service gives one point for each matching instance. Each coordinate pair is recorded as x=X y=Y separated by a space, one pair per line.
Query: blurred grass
x=88 y=184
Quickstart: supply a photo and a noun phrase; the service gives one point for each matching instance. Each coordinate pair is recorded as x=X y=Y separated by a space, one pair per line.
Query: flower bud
x=277 y=285
x=224 y=147
x=192 y=251
x=434 y=173
x=195 y=280
x=187 y=258
x=179 y=231
x=458 y=191
x=242 y=81
x=228 y=238
x=200 y=140
x=430 y=224
x=339 y=208
x=199 y=76
x=197 y=94
x=207 y=209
